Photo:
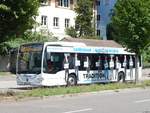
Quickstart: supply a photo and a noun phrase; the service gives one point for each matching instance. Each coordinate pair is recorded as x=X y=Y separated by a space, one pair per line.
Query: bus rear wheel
x=121 y=77
x=72 y=80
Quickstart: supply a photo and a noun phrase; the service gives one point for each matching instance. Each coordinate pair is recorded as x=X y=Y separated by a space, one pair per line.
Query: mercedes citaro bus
x=72 y=63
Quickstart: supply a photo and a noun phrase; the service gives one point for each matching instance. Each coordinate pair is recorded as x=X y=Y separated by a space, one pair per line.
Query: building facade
x=55 y=16
x=104 y=12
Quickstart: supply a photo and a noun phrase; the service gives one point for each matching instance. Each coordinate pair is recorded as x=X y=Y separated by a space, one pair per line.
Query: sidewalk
x=146 y=74
x=7 y=76
x=7 y=80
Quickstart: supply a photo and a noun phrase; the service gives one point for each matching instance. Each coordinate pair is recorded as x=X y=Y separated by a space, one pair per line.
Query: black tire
x=72 y=80
x=121 y=77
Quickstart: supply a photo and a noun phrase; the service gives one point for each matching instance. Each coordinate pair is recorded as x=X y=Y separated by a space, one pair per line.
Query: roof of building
x=94 y=42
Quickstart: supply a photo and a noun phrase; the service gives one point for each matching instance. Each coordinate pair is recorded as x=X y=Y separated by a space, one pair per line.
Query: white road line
x=77 y=111
x=141 y=101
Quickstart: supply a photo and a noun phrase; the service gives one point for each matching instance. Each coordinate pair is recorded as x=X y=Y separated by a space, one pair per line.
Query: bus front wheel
x=72 y=80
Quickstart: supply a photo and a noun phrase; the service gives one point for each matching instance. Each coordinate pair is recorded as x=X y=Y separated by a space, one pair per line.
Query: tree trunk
x=136 y=69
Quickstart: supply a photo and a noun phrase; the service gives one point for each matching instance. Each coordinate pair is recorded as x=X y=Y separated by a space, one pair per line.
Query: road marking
x=141 y=101
x=77 y=111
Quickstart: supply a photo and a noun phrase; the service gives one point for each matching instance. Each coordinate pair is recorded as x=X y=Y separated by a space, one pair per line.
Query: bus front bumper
x=27 y=80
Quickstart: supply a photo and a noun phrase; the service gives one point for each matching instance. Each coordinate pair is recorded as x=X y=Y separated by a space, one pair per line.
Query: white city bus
x=71 y=63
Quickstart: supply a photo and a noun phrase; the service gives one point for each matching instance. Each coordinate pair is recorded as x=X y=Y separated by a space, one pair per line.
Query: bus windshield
x=29 y=59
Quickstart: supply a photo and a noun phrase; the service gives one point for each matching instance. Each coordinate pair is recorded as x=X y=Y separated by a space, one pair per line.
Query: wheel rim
x=71 y=81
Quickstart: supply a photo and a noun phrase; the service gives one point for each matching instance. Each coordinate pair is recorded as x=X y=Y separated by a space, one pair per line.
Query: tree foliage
x=16 y=16
x=71 y=31
x=27 y=37
x=146 y=55
x=110 y=31
x=83 y=21
x=131 y=24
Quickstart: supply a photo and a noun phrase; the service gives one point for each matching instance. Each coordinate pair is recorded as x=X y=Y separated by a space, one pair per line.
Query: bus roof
x=75 y=42
x=66 y=44
x=75 y=45
x=94 y=42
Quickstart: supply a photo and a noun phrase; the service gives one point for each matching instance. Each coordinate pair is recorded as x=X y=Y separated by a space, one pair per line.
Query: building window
x=98 y=3
x=43 y=20
x=56 y=22
x=107 y=2
x=67 y=22
x=98 y=17
x=44 y=2
x=98 y=32
x=64 y=3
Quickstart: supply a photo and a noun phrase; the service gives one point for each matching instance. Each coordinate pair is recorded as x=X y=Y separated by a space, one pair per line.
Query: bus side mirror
x=66 y=66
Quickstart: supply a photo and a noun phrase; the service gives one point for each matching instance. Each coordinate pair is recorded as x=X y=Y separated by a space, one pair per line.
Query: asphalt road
x=124 y=101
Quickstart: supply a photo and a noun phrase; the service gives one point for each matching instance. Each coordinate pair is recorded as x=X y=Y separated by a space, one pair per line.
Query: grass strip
x=42 y=92
x=5 y=73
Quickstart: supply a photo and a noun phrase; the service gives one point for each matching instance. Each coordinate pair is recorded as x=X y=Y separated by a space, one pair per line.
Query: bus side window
x=121 y=59
x=102 y=61
x=82 y=58
x=128 y=58
x=133 y=57
x=93 y=59
x=71 y=60
x=140 y=61
x=114 y=59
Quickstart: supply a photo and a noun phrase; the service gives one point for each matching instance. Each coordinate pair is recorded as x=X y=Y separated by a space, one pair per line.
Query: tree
x=110 y=31
x=71 y=31
x=16 y=16
x=132 y=25
x=146 y=56
x=83 y=21
x=27 y=37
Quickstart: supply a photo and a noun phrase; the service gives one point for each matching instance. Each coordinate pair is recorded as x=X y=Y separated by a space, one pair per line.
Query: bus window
x=82 y=58
x=53 y=62
x=121 y=59
x=93 y=59
x=105 y=61
x=71 y=61
x=128 y=61
x=23 y=62
x=29 y=62
x=140 y=61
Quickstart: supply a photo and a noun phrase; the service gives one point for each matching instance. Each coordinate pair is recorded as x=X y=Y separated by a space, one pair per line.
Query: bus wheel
x=72 y=80
x=121 y=77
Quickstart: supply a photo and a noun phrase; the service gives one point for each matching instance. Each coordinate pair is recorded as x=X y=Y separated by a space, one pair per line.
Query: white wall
x=61 y=13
